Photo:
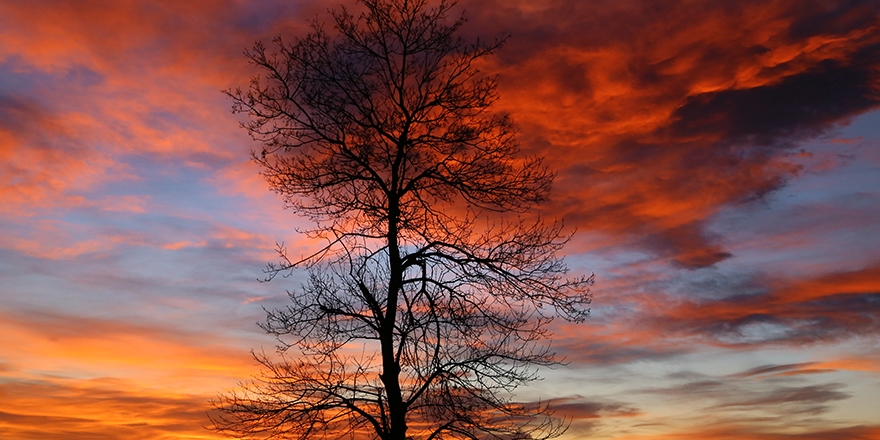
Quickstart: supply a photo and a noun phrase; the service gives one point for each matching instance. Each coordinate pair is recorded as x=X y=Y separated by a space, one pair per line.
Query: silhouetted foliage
x=431 y=300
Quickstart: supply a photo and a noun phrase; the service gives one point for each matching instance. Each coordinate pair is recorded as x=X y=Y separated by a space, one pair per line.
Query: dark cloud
x=828 y=308
x=764 y=402
x=798 y=106
x=785 y=369
x=808 y=399
x=586 y=415
x=619 y=348
x=832 y=18
x=790 y=398
x=578 y=407
x=688 y=245
x=827 y=318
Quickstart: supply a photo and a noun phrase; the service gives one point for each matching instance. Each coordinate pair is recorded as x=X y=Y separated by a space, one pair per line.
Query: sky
x=718 y=161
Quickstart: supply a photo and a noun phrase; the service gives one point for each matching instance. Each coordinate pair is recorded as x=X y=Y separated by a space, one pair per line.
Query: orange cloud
x=656 y=117
x=72 y=377
x=96 y=82
x=43 y=161
x=100 y=408
x=76 y=347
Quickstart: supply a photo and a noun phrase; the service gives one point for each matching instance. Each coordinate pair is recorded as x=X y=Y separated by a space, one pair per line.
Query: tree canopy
x=430 y=301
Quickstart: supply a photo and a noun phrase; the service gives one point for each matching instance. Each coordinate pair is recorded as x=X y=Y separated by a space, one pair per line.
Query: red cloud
x=657 y=116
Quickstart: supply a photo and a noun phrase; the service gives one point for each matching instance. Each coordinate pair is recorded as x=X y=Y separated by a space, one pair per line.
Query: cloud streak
x=99 y=409
x=828 y=308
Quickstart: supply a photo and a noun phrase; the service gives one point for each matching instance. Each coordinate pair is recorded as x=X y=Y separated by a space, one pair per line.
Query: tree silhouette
x=430 y=302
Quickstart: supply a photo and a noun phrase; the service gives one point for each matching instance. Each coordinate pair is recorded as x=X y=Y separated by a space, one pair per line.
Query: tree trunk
x=390 y=368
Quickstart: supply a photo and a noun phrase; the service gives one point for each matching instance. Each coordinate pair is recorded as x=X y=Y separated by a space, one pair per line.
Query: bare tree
x=430 y=303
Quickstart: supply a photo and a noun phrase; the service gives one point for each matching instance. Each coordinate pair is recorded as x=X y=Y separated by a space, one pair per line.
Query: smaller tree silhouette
x=430 y=303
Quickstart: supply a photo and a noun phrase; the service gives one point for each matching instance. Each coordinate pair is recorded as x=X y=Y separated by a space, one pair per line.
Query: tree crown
x=381 y=133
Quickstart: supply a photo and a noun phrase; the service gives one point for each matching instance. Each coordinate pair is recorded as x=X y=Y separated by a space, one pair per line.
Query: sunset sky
x=719 y=160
